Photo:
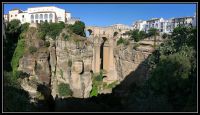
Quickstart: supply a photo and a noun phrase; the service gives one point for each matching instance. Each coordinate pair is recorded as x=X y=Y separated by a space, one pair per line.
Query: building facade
x=39 y=15
x=165 y=26
x=140 y=25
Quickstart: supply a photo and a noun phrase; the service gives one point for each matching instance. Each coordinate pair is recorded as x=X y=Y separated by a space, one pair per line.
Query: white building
x=194 y=21
x=39 y=14
x=121 y=27
x=165 y=26
x=182 y=21
x=158 y=23
x=140 y=25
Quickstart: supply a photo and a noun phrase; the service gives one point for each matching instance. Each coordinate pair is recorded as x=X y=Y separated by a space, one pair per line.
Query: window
x=46 y=16
x=22 y=16
x=36 y=21
x=50 y=16
x=36 y=16
x=41 y=21
x=11 y=16
x=45 y=20
x=156 y=25
x=32 y=17
x=41 y=16
x=15 y=15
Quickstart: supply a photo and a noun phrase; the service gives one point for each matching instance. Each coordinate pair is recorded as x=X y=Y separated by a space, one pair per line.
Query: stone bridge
x=104 y=41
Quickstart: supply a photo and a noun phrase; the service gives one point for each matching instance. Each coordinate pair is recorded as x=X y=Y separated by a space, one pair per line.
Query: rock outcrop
x=71 y=62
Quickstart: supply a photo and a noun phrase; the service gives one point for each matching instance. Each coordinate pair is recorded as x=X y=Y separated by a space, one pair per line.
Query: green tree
x=153 y=32
x=10 y=39
x=78 y=28
x=135 y=35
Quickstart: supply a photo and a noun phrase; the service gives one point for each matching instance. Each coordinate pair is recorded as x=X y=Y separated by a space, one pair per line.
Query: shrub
x=51 y=29
x=94 y=91
x=32 y=49
x=96 y=83
x=122 y=41
x=64 y=89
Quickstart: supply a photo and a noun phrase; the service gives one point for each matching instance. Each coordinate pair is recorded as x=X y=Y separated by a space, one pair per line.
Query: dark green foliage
x=64 y=89
x=136 y=35
x=24 y=27
x=51 y=29
x=153 y=32
x=14 y=27
x=172 y=84
x=10 y=39
x=32 y=49
x=78 y=28
x=15 y=98
x=55 y=29
x=122 y=41
x=164 y=36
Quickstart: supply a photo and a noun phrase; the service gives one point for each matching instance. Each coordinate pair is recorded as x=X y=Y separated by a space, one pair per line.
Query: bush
x=78 y=28
x=64 y=89
x=51 y=29
x=96 y=83
x=122 y=41
x=32 y=49
x=94 y=91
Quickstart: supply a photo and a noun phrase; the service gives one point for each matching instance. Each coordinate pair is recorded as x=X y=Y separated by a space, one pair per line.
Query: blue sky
x=108 y=14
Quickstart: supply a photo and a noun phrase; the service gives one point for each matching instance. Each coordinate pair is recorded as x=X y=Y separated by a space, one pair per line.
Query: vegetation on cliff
x=172 y=82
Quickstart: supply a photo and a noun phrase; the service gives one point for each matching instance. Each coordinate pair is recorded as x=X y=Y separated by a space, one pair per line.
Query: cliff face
x=70 y=62
x=61 y=62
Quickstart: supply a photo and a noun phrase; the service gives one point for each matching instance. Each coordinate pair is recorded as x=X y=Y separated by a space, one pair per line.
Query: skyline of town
x=118 y=13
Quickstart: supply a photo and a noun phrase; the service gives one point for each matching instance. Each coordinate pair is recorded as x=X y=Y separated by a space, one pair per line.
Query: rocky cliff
x=70 y=62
